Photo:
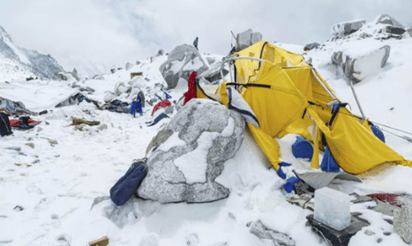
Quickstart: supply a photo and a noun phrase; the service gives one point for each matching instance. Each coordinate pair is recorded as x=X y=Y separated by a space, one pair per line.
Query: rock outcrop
x=182 y=61
x=190 y=152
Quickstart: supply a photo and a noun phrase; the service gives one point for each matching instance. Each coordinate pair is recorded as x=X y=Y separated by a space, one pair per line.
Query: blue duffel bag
x=124 y=188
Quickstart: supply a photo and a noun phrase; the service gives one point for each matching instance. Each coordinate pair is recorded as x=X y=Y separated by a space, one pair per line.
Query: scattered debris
x=53 y=142
x=100 y=242
x=262 y=232
x=335 y=237
x=31 y=145
x=246 y=39
x=311 y=46
x=18 y=208
x=78 y=121
x=332 y=208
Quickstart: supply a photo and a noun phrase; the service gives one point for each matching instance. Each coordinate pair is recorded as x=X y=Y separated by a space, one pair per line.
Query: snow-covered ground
x=56 y=194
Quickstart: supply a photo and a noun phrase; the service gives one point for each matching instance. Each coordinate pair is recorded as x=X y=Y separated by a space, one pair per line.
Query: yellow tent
x=289 y=96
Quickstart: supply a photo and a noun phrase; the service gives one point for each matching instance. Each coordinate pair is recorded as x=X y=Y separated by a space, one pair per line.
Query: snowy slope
x=57 y=185
x=18 y=63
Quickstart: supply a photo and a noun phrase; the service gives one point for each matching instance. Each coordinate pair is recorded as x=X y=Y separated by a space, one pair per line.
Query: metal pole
x=321 y=83
x=356 y=98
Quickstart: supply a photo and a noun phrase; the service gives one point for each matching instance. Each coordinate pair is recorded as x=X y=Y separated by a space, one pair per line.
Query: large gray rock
x=190 y=153
x=388 y=20
x=359 y=68
x=181 y=62
x=402 y=223
x=346 y=28
x=246 y=39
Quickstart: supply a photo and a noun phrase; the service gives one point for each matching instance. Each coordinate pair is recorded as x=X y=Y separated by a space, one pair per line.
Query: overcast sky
x=116 y=31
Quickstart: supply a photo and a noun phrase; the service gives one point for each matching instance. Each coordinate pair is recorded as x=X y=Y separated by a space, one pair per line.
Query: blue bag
x=328 y=163
x=125 y=187
x=378 y=133
x=302 y=148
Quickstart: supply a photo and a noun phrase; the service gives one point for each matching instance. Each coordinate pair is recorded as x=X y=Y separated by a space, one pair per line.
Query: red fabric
x=15 y=122
x=191 y=92
x=386 y=197
x=164 y=103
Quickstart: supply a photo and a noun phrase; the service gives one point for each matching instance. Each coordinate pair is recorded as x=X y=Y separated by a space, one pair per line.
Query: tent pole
x=324 y=87
x=356 y=98
x=230 y=71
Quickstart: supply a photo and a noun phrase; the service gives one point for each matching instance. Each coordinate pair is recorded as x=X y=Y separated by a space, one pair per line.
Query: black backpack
x=5 y=128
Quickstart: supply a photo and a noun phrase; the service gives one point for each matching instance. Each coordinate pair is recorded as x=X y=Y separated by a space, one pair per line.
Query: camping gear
x=5 y=128
x=117 y=106
x=136 y=105
x=125 y=187
x=162 y=95
x=335 y=237
x=237 y=103
x=76 y=99
x=387 y=197
x=290 y=184
x=302 y=148
x=20 y=124
x=289 y=96
x=378 y=133
x=318 y=180
x=311 y=46
x=246 y=39
x=13 y=108
x=332 y=208
x=328 y=163
x=78 y=121
x=191 y=91
x=162 y=104
x=156 y=119
x=100 y=242
x=24 y=122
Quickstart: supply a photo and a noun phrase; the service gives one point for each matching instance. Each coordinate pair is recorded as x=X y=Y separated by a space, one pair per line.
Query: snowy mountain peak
x=17 y=63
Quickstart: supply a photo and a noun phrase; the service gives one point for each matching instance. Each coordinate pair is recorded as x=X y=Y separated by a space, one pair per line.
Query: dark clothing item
x=196 y=42
x=191 y=91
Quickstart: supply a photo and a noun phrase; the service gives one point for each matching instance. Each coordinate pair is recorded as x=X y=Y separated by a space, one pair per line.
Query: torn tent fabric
x=289 y=96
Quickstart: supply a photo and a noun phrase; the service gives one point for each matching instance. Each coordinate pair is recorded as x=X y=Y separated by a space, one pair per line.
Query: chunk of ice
x=332 y=208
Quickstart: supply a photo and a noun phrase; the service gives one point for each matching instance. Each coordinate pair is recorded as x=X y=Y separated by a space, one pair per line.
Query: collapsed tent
x=287 y=95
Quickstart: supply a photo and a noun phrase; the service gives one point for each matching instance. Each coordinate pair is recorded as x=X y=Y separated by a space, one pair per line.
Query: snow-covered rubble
x=55 y=178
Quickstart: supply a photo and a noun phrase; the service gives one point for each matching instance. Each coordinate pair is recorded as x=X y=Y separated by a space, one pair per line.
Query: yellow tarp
x=297 y=101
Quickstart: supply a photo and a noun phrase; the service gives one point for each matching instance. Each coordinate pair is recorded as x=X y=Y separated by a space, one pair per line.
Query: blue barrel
x=302 y=148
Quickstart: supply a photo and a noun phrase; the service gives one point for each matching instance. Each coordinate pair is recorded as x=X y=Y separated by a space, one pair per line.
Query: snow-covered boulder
x=361 y=67
x=246 y=39
x=128 y=66
x=182 y=61
x=190 y=152
x=346 y=28
x=388 y=20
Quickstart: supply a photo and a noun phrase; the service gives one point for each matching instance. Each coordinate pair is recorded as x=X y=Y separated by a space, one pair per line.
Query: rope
x=393 y=128
x=409 y=139
x=399 y=136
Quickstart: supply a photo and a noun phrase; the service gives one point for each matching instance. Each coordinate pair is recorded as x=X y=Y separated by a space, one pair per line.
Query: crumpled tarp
x=13 y=108
x=319 y=180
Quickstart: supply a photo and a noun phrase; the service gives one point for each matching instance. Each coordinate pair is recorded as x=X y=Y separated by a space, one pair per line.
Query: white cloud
x=115 y=31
